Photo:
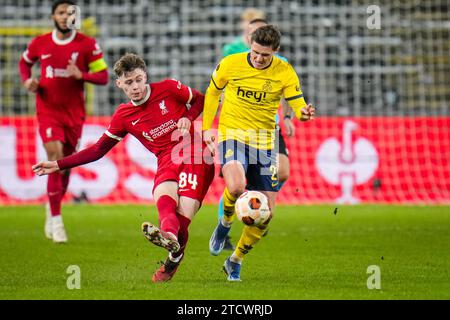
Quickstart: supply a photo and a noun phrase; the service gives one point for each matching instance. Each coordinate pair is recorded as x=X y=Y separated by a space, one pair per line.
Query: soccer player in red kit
x=159 y=115
x=68 y=59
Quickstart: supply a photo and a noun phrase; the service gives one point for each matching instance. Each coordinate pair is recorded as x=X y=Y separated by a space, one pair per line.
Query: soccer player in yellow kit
x=255 y=83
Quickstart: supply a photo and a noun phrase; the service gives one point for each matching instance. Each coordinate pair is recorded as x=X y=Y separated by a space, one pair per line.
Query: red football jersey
x=153 y=121
x=60 y=95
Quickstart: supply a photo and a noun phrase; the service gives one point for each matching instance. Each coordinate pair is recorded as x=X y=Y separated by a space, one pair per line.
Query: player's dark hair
x=258 y=20
x=128 y=63
x=57 y=3
x=267 y=36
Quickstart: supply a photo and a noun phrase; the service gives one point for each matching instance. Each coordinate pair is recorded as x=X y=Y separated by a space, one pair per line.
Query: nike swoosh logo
x=45 y=56
x=134 y=122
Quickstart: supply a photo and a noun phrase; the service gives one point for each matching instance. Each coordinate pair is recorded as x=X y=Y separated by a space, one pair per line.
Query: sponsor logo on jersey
x=297 y=88
x=51 y=72
x=257 y=95
x=162 y=106
x=45 y=56
x=48 y=132
x=165 y=128
x=134 y=122
x=229 y=153
x=147 y=136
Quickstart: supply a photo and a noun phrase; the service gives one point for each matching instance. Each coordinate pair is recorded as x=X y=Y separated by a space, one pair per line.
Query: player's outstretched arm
x=90 y=154
x=308 y=113
x=197 y=104
x=210 y=109
x=45 y=167
x=31 y=84
x=303 y=111
x=287 y=113
x=210 y=138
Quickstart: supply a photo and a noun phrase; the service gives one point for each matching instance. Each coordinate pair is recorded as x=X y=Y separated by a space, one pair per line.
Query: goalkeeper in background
x=241 y=43
x=255 y=82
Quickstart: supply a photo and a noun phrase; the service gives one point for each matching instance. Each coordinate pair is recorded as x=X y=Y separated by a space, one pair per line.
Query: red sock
x=54 y=192
x=65 y=177
x=183 y=234
x=167 y=214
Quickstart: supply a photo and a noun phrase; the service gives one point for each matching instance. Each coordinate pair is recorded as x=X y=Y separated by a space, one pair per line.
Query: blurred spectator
x=240 y=44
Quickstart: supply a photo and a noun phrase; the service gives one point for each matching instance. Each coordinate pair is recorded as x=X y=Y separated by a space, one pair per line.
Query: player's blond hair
x=129 y=62
x=250 y=14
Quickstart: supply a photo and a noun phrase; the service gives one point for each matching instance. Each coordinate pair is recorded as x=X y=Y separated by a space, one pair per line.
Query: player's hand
x=184 y=124
x=73 y=70
x=289 y=127
x=45 y=167
x=210 y=138
x=308 y=113
x=31 y=84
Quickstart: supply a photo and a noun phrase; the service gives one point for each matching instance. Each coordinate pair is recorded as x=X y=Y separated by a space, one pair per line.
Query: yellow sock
x=228 y=207
x=249 y=237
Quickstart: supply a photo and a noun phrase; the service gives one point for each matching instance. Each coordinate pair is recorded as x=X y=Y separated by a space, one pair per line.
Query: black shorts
x=280 y=144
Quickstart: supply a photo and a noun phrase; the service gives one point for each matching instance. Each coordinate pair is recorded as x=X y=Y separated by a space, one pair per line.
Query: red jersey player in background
x=159 y=115
x=68 y=59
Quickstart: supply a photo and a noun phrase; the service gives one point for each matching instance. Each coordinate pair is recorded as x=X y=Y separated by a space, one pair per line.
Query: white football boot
x=48 y=222
x=58 y=231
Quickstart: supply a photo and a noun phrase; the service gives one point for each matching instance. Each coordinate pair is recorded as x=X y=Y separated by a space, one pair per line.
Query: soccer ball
x=252 y=208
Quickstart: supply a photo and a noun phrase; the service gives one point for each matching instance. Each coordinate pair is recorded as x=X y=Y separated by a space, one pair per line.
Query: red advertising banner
x=333 y=160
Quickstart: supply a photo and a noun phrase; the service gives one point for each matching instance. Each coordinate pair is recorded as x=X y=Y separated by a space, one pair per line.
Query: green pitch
x=309 y=253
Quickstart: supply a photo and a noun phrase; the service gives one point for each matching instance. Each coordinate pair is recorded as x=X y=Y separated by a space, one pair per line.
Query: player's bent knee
x=166 y=188
x=236 y=190
x=188 y=207
x=54 y=150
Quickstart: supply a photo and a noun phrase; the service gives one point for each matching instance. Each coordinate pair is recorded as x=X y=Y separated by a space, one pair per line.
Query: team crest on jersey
x=267 y=86
x=74 y=56
x=146 y=136
x=162 y=106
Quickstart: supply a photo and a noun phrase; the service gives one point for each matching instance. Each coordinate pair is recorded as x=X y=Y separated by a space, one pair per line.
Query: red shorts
x=53 y=129
x=193 y=179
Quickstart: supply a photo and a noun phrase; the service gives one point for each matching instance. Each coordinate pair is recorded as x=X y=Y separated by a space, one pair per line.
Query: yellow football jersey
x=251 y=99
